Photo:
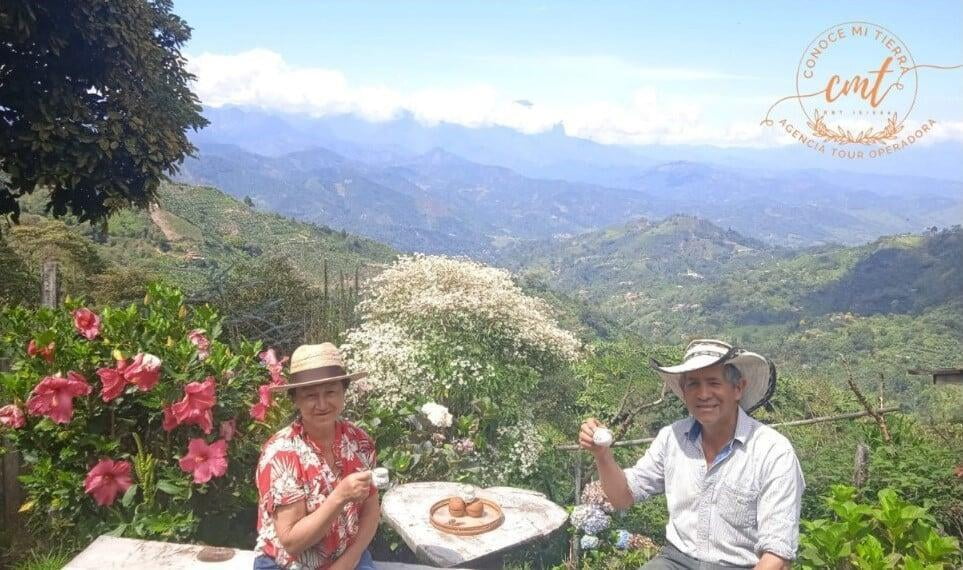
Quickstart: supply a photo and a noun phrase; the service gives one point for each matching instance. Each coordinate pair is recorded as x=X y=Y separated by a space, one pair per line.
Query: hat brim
x=306 y=383
x=758 y=371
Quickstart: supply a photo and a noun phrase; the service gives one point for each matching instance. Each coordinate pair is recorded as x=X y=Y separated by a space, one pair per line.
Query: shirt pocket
x=737 y=506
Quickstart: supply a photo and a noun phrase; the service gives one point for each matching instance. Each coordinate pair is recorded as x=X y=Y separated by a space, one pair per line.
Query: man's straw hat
x=758 y=371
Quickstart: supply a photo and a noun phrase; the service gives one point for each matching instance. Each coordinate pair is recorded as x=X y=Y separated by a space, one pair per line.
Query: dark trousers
x=263 y=562
x=671 y=558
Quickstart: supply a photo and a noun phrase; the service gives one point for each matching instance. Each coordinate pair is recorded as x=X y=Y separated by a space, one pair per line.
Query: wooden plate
x=442 y=519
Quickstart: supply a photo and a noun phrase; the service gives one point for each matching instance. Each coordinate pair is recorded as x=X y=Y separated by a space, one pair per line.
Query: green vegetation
x=96 y=103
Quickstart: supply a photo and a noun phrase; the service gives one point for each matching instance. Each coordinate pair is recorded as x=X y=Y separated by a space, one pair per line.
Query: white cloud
x=262 y=78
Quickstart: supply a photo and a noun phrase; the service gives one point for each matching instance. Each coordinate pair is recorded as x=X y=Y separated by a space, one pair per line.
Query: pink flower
x=205 y=461
x=47 y=352
x=54 y=396
x=144 y=371
x=228 y=429
x=11 y=416
x=170 y=422
x=87 y=323
x=259 y=410
x=197 y=338
x=107 y=480
x=464 y=446
x=270 y=359
x=113 y=381
x=194 y=408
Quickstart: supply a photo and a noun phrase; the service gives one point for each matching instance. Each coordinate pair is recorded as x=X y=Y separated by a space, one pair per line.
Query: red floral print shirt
x=291 y=469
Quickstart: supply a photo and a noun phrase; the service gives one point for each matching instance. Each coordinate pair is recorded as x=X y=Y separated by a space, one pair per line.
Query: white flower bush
x=437 y=414
x=464 y=337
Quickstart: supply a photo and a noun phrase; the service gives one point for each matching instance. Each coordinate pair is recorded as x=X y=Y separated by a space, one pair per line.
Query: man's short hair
x=732 y=374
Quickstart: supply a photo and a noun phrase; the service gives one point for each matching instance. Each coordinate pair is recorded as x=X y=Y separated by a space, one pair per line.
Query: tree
x=94 y=103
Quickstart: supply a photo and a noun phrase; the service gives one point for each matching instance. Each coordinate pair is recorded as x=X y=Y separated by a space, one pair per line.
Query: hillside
x=192 y=234
x=684 y=274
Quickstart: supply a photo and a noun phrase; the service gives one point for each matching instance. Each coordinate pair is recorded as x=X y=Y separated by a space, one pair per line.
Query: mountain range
x=440 y=202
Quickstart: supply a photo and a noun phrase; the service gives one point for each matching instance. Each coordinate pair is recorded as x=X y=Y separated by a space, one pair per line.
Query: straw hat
x=758 y=371
x=313 y=364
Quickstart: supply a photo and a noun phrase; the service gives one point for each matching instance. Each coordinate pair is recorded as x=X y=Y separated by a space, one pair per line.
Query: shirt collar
x=743 y=427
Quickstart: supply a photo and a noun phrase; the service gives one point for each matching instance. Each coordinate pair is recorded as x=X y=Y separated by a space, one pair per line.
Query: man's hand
x=585 y=437
x=770 y=561
x=354 y=488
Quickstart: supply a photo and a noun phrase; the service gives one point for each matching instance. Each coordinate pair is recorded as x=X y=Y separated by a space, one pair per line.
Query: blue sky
x=613 y=71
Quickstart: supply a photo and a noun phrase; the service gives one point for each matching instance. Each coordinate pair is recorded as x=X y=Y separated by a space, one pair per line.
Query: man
x=732 y=484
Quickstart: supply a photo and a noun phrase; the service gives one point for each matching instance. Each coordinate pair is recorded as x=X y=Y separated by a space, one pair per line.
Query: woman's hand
x=354 y=488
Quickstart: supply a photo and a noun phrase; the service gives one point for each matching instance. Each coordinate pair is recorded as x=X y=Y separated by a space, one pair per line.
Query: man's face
x=710 y=398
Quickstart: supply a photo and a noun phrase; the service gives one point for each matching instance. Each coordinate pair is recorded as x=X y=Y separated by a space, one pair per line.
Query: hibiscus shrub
x=136 y=420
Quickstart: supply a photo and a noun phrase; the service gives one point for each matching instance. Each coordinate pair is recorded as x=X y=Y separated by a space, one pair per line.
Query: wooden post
x=49 y=288
x=861 y=466
x=575 y=547
x=10 y=492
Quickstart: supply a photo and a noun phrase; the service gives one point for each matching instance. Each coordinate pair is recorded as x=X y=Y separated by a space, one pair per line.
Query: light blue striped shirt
x=745 y=504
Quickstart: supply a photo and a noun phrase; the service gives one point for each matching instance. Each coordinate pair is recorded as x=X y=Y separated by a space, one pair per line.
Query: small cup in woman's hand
x=381 y=479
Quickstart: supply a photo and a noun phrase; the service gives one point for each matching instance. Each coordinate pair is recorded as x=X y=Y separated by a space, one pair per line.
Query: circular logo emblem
x=856 y=83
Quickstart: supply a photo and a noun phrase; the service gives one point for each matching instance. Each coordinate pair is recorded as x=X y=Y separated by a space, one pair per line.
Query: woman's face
x=320 y=405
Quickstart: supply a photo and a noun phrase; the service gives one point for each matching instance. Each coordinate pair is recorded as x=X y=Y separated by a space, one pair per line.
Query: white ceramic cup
x=602 y=436
x=380 y=476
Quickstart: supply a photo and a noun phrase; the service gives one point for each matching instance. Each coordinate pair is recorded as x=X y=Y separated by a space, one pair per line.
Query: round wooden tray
x=441 y=519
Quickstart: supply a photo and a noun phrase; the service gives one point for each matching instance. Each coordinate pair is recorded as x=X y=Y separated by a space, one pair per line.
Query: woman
x=318 y=507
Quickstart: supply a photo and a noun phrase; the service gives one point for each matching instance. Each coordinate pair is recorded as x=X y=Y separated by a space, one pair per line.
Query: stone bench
x=109 y=552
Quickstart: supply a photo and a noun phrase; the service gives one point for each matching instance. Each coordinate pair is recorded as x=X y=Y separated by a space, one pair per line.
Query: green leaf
x=129 y=495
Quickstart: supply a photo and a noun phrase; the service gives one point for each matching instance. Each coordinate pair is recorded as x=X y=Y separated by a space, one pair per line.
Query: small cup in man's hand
x=602 y=437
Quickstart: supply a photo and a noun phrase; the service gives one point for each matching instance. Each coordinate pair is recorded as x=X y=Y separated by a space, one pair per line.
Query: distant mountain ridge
x=439 y=202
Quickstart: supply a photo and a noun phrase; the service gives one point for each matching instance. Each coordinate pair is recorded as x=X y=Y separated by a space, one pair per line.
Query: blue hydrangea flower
x=589 y=542
x=622 y=542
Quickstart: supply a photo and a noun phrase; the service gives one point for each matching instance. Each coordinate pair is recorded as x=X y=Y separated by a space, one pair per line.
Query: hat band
x=715 y=353
x=319 y=373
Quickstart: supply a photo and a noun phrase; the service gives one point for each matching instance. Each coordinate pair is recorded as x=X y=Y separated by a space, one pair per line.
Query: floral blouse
x=292 y=468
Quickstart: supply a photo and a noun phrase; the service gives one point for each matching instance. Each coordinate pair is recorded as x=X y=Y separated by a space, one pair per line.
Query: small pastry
x=456 y=506
x=475 y=509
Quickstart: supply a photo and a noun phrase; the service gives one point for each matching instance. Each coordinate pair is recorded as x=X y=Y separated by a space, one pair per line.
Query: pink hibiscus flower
x=11 y=416
x=113 y=380
x=275 y=366
x=54 y=396
x=47 y=352
x=205 y=461
x=259 y=410
x=106 y=480
x=87 y=323
x=228 y=429
x=197 y=338
x=194 y=408
x=144 y=371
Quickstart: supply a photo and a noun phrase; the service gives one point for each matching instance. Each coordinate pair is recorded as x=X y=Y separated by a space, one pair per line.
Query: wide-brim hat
x=313 y=364
x=758 y=371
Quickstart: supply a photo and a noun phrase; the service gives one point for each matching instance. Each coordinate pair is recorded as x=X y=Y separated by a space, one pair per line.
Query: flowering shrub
x=135 y=420
x=459 y=335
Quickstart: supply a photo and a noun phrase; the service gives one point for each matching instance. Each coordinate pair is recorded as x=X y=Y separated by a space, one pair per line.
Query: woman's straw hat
x=313 y=364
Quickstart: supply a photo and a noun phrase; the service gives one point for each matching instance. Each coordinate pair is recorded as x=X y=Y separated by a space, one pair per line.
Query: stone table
x=529 y=515
x=109 y=552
